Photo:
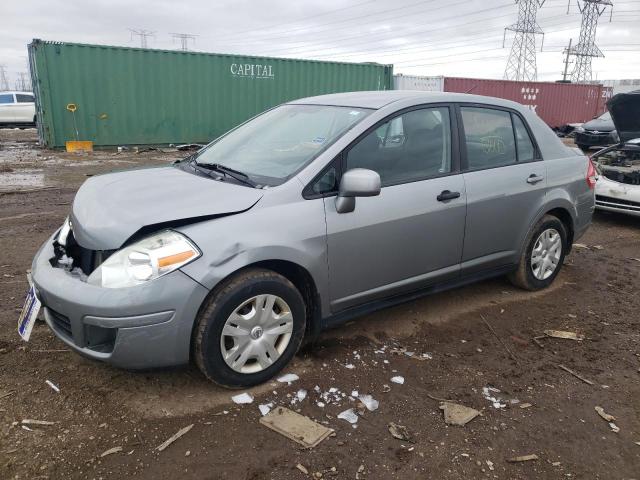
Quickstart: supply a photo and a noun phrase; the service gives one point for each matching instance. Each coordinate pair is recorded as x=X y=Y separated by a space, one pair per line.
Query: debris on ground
x=497 y=402
x=174 y=437
x=265 y=408
x=302 y=469
x=456 y=414
x=504 y=345
x=398 y=379
x=400 y=432
x=189 y=146
x=614 y=427
x=242 y=398
x=288 y=378
x=525 y=405
x=588 y=382
x=297 y=427
x=580 y=245
x=110 y=451
x=490 y=465
x=53 y=386
x=598 y=247
x=349 y=415
x=604 y=415
x=386 y=388
x=368 y=401
x=28 y=421
x=563 y=335
x=523 y=458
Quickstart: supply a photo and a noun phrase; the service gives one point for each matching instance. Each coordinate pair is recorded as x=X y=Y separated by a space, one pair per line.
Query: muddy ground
x=99 y=407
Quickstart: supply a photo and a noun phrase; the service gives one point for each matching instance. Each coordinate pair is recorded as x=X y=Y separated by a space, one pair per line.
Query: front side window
x=22 y=98
x=489 y=138
x=410 y=147
x=275 y=145
x=6 y=98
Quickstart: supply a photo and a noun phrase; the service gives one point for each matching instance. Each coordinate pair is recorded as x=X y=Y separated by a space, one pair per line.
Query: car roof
x=4 y=92
x=379 y=99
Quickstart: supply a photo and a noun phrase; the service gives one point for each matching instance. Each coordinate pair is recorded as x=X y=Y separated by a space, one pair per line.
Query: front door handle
x=533 y=179
x=448 y=195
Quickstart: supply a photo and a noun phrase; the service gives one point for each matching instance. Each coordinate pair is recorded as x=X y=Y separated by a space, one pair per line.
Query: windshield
x=605 y=116
x=275 y=145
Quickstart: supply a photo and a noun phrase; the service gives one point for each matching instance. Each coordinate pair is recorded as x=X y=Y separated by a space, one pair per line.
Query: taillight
x=591 y=175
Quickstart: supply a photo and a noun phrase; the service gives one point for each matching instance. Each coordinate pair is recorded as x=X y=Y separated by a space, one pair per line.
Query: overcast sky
x=428 y=37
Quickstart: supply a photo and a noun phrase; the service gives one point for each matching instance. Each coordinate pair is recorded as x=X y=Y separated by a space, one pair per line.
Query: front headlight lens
x=579 y=130
x=146 y=260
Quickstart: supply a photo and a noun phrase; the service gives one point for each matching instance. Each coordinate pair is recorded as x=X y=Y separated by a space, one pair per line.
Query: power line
x=143 y=34
x=184 y=40
x=521 y=64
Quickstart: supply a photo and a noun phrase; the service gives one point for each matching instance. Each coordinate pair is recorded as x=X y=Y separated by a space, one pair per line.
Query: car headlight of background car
x=145 y=260
x=579 y=130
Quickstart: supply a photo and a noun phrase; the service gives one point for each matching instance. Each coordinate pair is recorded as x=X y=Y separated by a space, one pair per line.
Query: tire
x=243 y=299
x=528 y=278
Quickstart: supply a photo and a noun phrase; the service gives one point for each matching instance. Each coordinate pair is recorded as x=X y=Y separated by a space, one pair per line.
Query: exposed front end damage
x=618 y=186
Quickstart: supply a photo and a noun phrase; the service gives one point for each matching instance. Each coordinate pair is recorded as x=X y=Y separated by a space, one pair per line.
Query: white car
x=17 y=108
x=618 y=167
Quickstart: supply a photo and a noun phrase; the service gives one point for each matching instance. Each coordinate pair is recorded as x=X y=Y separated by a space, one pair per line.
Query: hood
x=625 y=111
x=109 y=209
x=599 y=125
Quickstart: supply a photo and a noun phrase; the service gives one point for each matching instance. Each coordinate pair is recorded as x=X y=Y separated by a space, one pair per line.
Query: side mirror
x=357 y=182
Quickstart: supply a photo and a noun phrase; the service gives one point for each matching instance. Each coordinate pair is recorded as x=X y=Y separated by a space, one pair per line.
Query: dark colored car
x=599 y=132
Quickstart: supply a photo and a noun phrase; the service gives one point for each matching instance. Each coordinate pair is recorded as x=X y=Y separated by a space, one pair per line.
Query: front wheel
x=543 y=255
x=249 y=329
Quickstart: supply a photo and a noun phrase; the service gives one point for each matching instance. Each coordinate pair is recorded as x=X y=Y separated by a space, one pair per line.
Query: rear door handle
x=533 y=179
x=448 y=195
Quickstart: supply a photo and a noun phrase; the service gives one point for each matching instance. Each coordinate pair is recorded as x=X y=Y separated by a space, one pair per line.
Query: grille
x=618 y=203
x=62 y=323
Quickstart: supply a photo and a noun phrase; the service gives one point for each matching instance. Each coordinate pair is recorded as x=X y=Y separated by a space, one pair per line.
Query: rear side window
x=413 y=146
x=6 y=98
x=489 y=138
x=526 y=150
x=22 y=98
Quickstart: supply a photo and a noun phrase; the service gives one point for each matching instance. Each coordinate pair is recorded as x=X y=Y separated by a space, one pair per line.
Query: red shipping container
x=556 y=103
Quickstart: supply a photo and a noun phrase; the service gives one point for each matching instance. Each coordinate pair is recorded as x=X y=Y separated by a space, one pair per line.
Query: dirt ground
x=99 y=407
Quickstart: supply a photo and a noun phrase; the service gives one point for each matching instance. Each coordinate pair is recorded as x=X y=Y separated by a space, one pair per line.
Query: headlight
x=146 y=260
x=579 y=130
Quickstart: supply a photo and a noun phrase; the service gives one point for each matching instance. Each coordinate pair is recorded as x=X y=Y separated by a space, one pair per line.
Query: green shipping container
x=133 y=96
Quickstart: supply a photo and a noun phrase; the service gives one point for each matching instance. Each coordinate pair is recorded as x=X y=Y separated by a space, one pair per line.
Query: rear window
x=6 y=98
x=489 y=138
x=23 y=98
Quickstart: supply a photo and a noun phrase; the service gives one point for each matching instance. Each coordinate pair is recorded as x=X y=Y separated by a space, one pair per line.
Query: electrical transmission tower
x=143 y=34
x=586 y=49
x=22 y=82
x=4 y=84
x=184 y=40
x=522 y=59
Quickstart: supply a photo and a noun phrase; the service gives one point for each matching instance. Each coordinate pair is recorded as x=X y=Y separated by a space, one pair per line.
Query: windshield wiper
x=230 y=172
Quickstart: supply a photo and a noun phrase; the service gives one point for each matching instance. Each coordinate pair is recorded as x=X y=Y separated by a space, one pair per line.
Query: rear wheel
x=543 y=255
x=249 y=329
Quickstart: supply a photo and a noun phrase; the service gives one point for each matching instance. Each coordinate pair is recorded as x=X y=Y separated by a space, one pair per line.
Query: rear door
x=505 y=182
x=7 y=105
x=24 y=108
x=410 y=235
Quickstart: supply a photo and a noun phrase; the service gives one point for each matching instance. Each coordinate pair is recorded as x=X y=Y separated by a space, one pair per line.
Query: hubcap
x=256 y=334
x=546 y=253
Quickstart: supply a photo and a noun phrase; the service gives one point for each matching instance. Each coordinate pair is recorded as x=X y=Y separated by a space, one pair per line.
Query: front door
x=411 y=235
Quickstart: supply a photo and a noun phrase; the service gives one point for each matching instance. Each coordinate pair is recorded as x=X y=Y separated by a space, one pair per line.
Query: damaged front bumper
x=618 y=197
x=156 y=331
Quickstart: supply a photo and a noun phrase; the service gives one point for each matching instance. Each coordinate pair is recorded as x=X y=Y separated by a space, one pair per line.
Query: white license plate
x=29 y=313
